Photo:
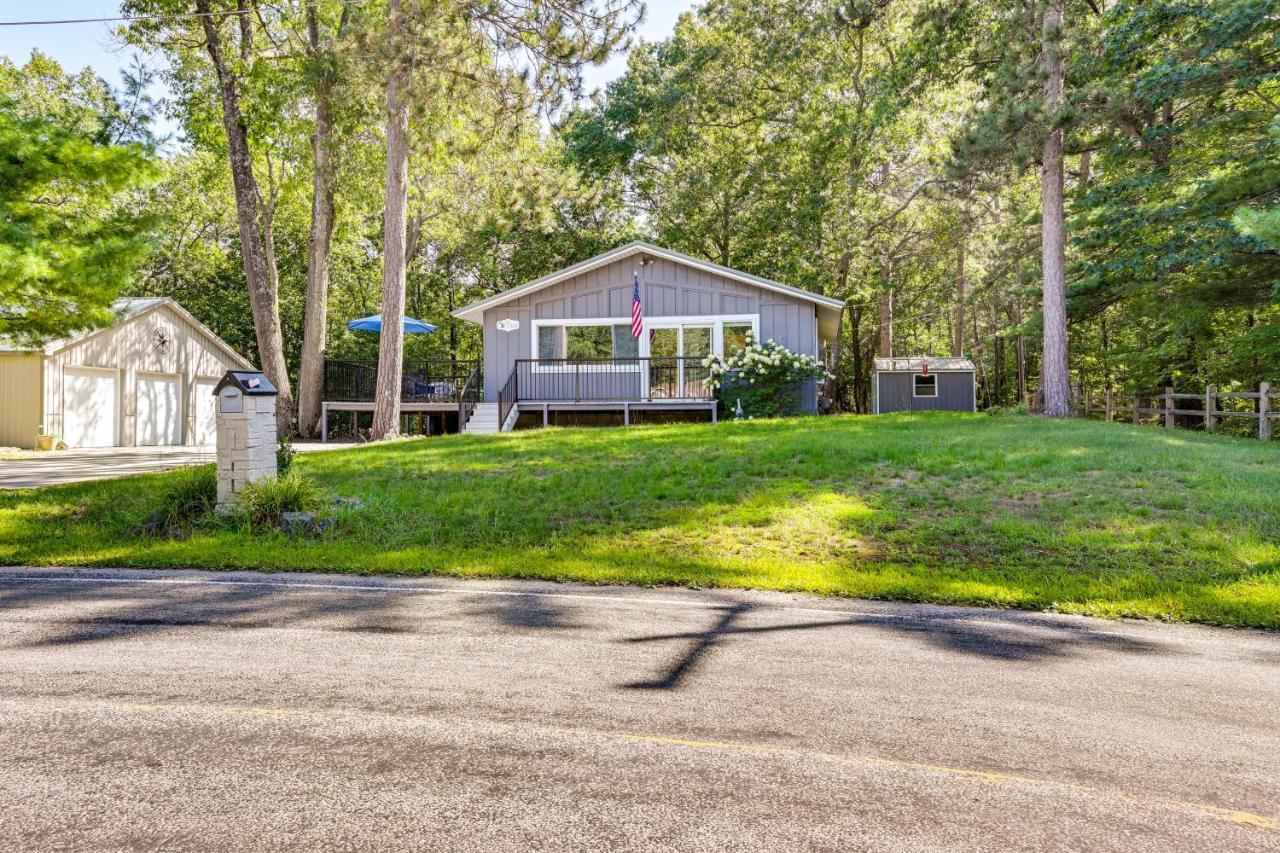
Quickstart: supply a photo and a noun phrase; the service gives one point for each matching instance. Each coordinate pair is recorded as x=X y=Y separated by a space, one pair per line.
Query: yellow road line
x=218 y=710
x=1237 y=816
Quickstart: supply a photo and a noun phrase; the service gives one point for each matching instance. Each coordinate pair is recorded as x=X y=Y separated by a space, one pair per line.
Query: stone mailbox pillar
x=246 y=432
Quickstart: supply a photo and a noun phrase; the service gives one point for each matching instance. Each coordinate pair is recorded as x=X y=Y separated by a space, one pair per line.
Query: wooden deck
x=624 y=406
x=361 y=406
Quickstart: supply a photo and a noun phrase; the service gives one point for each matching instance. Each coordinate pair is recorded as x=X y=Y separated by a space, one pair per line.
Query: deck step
x=483 y=420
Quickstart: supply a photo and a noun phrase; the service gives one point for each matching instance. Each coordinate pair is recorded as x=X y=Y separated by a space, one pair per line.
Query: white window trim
x=932 y=396
x=715 y=321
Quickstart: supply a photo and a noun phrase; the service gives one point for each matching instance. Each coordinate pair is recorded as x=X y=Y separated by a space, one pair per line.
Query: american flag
x=637 y=314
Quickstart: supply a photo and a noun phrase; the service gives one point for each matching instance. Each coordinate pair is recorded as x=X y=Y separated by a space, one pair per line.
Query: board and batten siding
x=21 y=415
x=668 y=289
x=130 y=348
x=894 y=393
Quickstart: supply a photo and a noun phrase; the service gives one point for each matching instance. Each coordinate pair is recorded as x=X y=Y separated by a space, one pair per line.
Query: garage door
x=206 y=412
x=90 y=407
x=159 y=410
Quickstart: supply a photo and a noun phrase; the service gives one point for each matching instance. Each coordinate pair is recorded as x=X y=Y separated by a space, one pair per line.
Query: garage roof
x=126 y=309
x=914 y=364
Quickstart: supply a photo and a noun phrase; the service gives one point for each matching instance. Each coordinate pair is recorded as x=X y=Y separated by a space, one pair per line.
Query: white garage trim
x=159 y=409
x=204 y=411
x=90 y=407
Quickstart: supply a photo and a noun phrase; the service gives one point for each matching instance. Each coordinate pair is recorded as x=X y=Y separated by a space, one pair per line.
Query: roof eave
x=475 y=311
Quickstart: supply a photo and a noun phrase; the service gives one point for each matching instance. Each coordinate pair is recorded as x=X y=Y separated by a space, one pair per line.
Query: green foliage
x=190 y=496
x=765 y=378
x=72 y=230
x=1263 y=224
x=263 y=503
x=285 y=454
x=1015 y=410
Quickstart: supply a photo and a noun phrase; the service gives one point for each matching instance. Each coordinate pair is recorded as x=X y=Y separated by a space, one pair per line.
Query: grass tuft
x=263 y=503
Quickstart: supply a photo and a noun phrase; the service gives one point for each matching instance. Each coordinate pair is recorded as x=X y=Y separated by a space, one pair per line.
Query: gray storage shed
x=920 y=383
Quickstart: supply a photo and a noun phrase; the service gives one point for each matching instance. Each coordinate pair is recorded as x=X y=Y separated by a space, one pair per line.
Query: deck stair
x=483 y=420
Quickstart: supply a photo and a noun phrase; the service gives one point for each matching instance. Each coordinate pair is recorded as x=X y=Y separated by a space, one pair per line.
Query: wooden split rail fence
x=1266 y=407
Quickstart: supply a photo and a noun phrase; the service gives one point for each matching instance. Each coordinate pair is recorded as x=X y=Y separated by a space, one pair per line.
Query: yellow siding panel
x=21 y=409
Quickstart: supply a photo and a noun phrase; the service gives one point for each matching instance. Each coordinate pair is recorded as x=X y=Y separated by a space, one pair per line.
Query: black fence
x=470 y=396
x=610 y=379
x=421 y=381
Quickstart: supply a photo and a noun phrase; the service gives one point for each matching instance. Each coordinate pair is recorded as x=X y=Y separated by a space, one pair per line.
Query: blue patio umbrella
x=374 y=324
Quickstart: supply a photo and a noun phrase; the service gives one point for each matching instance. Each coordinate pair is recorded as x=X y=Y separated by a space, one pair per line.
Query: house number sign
x=507 y=325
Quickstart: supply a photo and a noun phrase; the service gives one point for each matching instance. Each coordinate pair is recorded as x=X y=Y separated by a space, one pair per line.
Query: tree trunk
x=957 y=344
x=315 y=328
x=1021 y=351
x=886 y=323
x=386 y=412
x=263 y=296
x=855 y=334
x=1055 y=375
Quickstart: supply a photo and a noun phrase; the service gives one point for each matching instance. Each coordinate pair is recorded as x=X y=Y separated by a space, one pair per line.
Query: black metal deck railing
x=470 y=396
x=421 y=381
x=604 y=380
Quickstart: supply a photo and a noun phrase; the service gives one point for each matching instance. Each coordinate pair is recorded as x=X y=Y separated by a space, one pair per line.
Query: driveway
x=29 y=470
x=185 y=710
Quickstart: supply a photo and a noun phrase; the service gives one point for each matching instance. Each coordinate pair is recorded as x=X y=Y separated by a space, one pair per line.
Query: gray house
x=564 y=342
x=923 y=384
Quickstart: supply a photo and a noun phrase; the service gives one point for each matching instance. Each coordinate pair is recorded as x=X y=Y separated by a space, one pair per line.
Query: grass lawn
x=1074 y=516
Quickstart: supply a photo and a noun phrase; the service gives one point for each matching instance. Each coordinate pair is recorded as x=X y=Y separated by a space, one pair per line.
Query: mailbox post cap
x=252 y=383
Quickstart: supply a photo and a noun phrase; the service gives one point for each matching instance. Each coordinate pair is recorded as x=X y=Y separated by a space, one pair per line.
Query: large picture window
x=664 y=337
x=587 y=342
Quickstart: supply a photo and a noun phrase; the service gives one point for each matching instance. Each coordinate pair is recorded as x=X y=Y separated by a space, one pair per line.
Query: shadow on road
x=1025 y=639
x=125 y=610
x=121 y=610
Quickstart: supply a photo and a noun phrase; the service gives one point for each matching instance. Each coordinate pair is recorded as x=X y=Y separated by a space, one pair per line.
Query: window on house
x=735 y=337
x=587 y=342
x=551 y=342
x=926 y=385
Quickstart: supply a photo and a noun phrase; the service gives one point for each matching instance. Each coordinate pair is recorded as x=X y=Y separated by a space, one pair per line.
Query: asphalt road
x=154 y=710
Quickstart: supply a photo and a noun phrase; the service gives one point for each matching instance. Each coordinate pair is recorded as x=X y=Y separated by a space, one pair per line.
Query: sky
x=75 y=46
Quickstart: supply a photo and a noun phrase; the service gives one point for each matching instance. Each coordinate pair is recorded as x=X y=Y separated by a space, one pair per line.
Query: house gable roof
x=475 y=311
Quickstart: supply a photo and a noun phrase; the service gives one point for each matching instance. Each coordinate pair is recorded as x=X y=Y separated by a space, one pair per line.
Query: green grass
x=1014 y=512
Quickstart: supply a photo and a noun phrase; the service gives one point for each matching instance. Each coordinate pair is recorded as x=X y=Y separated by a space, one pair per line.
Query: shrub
x=1007 y=411
x=190 y=497
x=264 y=503
x=765 y=377
x=284 y=455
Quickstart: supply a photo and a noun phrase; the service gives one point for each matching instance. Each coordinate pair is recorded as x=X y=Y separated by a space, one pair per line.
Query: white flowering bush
x=765 y=377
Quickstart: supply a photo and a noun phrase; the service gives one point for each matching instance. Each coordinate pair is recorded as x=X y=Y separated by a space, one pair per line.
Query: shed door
x=205 y=407
x=159 y=410
x=90 y=407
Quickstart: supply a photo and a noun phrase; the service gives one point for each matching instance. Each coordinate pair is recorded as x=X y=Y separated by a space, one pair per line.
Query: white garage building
x=145 y=380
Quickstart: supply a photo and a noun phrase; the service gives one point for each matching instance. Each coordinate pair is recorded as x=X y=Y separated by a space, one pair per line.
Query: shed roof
x=475 y=311
x=915 y=363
